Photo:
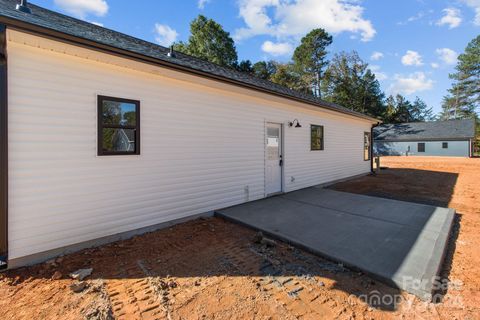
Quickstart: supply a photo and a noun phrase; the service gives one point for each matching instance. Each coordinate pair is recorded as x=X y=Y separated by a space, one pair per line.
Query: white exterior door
x=274 y=159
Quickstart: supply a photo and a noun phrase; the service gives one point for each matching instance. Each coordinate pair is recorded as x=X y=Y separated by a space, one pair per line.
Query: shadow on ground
x=419 y=186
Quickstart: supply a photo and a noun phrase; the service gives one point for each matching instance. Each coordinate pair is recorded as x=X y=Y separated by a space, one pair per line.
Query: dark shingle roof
x=52 y=21
x=435 y=130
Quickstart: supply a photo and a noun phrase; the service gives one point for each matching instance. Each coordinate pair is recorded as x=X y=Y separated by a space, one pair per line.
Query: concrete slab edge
x=424 y=294
x=304 y=247
x=427 y=289
x=441 y=247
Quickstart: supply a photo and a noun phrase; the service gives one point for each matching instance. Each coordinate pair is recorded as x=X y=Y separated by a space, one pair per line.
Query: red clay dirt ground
x=213 y=269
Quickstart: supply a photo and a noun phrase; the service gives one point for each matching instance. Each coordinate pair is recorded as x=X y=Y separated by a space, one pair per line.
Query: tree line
x=346 y=79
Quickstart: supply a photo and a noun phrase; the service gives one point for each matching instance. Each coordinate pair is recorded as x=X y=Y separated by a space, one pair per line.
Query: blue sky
x=410 y=44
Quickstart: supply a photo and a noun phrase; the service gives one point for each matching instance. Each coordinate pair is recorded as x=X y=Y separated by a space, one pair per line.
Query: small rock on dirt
x=81 y=274
x=78 y=287
x=257 y=238
x=51 y=263
x=57 y=275
x=268 y=242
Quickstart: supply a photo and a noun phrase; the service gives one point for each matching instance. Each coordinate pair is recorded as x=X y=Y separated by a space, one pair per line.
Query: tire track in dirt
x=283 y=286
x=132 y=296
x=301 y=298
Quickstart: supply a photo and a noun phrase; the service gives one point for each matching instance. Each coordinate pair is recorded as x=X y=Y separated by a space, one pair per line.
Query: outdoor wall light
x=290 y=124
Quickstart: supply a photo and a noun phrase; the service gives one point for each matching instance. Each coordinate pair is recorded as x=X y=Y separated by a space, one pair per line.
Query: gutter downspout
x=3 y=149
x=372 y=171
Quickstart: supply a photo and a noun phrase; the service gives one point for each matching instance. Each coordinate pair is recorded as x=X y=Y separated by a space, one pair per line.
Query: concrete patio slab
x=401 y=243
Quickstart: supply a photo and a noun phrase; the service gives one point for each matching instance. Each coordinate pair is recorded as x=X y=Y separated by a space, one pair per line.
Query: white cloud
x=435 y=65
x=410 y=84
x=416 y=17
x=378 y=74
x=164 y=35
x=202 y=3
x=419 y=16
x=97 y=23
x=82 y=8
x=448 y=56
x=475 y=4
x=277 y=49
x=452 y=18
x=376 y=56
x=412 y=58
x=381 y=75
x=294 y=18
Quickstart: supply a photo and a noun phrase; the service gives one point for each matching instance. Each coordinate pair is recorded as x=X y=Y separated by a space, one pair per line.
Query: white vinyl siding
x=202 y=149
x=432 y=148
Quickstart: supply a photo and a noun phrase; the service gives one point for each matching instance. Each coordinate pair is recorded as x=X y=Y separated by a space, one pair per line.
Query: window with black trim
x=421 y=147
x=367 y=150
x=118 y=126
x=316 y=137
x=445 y=145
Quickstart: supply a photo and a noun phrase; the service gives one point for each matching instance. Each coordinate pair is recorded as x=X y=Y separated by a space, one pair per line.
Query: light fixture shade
x=291 y=123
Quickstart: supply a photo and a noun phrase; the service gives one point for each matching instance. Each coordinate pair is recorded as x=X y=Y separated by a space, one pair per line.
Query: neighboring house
x=124 y=140
x=103 y=136
x=453 y=138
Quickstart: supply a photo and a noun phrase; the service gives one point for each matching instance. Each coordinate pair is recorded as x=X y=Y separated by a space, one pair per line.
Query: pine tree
x=403 y=109
x=349 y=82
x=398 y=110
x=420 y=111
x=287 y=76
x=210 y=42
x=264 y=69
x=245 y=66
x=449 y=109
x=464 y=97
x=390 y=110
x=310 y=57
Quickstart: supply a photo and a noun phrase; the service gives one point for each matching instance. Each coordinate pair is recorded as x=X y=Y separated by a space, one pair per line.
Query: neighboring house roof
x=130 y=134
x=424 y=131
x=60 y=26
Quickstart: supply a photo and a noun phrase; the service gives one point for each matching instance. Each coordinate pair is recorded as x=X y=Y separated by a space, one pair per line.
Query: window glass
x=118 y=140
x=366 y=146
x=316 y=137
x=421 y=147
x=445 y=145
x=273 y=147
x=273 y=132
x=118 y=126
x=118 y=113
